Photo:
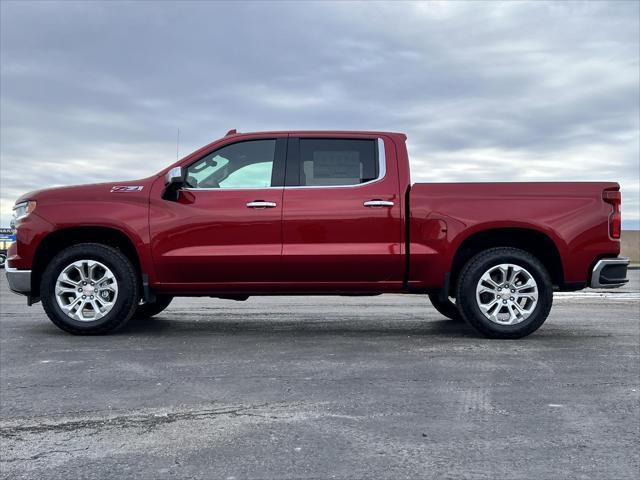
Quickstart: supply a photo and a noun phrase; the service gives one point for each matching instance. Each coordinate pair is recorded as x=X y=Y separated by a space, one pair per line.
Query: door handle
x=261 y=204
x=378 y=203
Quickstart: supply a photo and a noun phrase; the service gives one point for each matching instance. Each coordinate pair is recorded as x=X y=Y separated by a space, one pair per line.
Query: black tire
x=481 y=263
x=3 y=259
x=147 y=310
x=446 y=308
x=125 y=302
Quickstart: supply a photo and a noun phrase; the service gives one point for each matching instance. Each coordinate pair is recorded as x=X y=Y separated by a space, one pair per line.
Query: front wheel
x=504 y=293
x=3 y=259
x=89 y=289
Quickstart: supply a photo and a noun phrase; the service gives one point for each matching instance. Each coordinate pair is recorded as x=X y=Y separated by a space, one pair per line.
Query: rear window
x=330 y=162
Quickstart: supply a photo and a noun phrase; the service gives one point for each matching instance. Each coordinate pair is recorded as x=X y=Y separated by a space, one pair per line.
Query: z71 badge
x=126 y=188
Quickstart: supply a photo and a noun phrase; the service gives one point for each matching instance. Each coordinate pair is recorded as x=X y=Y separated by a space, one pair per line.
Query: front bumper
x=19 y=280
x=610 y=273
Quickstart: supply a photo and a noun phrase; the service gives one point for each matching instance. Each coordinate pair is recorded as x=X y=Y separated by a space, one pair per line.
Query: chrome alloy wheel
x=507 y=294
x=86 y=290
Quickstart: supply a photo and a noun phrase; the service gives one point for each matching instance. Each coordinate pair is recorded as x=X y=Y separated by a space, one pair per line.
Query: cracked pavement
x=322 y=387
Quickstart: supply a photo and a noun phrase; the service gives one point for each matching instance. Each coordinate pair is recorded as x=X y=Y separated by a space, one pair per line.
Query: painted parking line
x=597 y=295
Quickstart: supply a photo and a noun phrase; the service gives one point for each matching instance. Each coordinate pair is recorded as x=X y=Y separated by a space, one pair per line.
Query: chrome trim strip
x=382 y=172
x=19 y=280
x=600 y=265
x=229 y=189
x=382 y=159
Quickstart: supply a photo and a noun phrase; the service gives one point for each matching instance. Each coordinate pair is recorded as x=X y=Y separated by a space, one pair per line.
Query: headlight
x=22 y=209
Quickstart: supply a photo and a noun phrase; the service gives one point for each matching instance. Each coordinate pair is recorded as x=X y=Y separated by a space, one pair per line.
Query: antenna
x=178 y=145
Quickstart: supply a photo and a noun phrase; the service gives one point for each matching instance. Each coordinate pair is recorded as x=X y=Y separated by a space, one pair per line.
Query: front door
x=225 y=229
x=342 y=220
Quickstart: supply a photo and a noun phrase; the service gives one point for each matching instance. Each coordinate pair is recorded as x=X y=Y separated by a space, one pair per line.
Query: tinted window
x=328 y=162
x=239 y=165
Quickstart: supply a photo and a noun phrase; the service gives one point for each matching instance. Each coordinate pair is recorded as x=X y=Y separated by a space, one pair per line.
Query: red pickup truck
x=306 y=213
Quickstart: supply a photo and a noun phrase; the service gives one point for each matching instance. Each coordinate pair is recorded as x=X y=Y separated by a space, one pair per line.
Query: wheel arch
x=531 y=240
x=58 y=240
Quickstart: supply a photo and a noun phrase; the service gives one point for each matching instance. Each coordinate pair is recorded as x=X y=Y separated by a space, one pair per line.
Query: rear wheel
x=505 y=293
x=3 y=259
x=149 y=309
x=89 y=289
x=446 y=308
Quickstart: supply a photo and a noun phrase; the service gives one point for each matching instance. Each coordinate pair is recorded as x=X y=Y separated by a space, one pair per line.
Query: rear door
x=342 y=220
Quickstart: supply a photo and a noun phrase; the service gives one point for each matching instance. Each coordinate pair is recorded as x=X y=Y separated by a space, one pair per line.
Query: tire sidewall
x=469 y=304
x=121 y=268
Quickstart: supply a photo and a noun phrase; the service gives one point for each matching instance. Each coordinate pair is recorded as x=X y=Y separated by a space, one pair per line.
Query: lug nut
x=84 y=296
x=499 y=289
x=504 y=301
x=512 y=299
x=91 y=297
x=79 y=289
x=513 y=291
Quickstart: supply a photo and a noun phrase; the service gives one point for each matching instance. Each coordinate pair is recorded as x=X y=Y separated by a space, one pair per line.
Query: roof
x=314 y=132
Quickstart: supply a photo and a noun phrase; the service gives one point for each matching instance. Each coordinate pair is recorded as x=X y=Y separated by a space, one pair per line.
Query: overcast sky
x=95 y=91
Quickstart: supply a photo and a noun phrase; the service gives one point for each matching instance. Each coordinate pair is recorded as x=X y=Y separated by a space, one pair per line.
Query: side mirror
x=173 y=181
x=173 y=176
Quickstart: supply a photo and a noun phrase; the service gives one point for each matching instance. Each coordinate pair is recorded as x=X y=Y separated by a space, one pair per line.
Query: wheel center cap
x=88 y=289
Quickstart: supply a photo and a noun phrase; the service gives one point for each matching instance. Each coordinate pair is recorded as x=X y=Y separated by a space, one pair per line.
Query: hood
x=92 y=191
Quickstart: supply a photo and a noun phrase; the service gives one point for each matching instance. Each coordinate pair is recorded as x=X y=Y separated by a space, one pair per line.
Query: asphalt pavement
x=320 y=388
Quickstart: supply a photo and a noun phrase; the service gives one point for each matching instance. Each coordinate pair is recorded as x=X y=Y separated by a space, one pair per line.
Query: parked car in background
x=306 y=213
x=7 y=237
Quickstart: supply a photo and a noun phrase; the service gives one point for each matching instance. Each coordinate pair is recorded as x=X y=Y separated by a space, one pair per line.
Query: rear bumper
x=610 y=273
x=19 y=280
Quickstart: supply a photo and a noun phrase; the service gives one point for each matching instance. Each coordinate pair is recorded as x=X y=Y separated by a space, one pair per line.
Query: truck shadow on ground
x=168 y=324
x=175 y=324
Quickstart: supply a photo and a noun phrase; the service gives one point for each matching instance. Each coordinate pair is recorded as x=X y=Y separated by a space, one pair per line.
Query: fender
x=135 y=229
x=436 y=239
x=460 y=236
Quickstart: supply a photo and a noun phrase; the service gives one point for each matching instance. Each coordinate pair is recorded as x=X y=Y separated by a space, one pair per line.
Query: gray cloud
x=485 y=91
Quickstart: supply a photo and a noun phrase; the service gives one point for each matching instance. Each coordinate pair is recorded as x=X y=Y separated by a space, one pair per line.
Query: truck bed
x=572 y=215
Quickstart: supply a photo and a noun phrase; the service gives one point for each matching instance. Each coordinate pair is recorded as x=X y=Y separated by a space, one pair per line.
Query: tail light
x=614 y=198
